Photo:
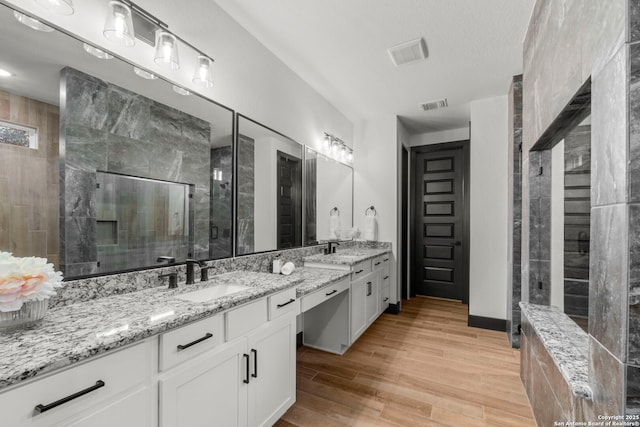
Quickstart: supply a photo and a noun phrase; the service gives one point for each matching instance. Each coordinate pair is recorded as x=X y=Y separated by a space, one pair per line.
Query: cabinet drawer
x=183 y=343
x=245 y=318
x=311 y=300
x=361 y=269
x=101 y=379
x=283 y=302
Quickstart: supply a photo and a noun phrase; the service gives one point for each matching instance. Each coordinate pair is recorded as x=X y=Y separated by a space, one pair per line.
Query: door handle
x=369 y=288
x=457 y=243
x=255 y=363
x=246 y=359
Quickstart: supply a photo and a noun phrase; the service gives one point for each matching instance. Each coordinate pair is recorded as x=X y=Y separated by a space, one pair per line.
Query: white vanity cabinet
x=381 y=265
x=114 y=389
x=247 y=381
x=364 y=303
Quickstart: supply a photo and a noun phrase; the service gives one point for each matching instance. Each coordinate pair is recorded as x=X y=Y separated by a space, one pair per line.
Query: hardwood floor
x=423 y=367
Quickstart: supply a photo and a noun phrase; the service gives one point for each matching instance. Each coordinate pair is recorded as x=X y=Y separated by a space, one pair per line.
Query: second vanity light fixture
x=336 y=148
x=126 y=21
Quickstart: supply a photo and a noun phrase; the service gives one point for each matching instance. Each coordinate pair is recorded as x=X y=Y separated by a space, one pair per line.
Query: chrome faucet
x=331 y=247
x=190 y=269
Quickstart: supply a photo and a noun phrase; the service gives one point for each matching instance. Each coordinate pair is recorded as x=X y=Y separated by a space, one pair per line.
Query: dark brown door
x=289 y=201
x=439 y=215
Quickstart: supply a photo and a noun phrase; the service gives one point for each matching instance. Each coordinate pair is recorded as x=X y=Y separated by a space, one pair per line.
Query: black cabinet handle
x=385 y=277
x=286 y=303
x=199 y=340
x=44 y=408
x=359 y=271
x=369 y=288
x=386 y=299
x=255 y=363
x=332 y=292
x=246 y=359
x=386 y=259
x=377 y=263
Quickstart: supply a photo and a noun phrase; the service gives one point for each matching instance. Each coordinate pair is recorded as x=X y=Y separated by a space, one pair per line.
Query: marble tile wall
x=29 y=186
x=566 y=43
x=246 y=194
x=108 y=128
x=514 y=278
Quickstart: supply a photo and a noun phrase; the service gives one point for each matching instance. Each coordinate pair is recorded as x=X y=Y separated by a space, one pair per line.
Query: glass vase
x=30 y=312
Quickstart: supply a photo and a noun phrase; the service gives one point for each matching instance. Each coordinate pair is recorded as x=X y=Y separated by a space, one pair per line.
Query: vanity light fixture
x=62 y=7
x=32 y=23
x=336 y=149
x=5 y=73
x=166 y=50
x=203 y=75
x=98 y=53
x=180 y=90
x=118 y=27
x=144 y=74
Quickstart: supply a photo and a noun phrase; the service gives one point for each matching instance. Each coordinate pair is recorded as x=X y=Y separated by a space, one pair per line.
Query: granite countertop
x=73 y=333
x=316 y=278
x=567 y=344
x=350 y=256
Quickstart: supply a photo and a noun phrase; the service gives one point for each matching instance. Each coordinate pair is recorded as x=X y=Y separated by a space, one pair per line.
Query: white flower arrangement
x=25 y=279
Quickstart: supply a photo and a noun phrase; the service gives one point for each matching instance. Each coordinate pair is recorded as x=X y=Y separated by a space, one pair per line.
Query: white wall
x=488 y=210
x=376 y=182
x=247 y=77
x=557 y=225
x=439 y=137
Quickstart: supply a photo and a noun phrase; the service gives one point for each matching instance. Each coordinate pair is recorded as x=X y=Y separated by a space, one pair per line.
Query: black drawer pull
x=386 y=259
x=359 y=271
x=386 y=299
x=286 y=303
x=385 y=277
x=377 y=263
x=255 y=363
x=246 y=359
x=199 y=340
x=332 y=292
x=44 y=408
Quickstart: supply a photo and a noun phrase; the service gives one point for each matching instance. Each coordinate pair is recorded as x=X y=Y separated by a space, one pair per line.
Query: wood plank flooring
x=423 y=367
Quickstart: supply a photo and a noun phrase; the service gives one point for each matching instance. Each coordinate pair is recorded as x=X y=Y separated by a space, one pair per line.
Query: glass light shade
x=350 y=157
x=144 y=74
x=203 y=75
x=62 y=7
x=5 y=73
x=181 y=91
x=98 y=53
x=119 y=26
x=167 y=50
x=326 y=142
x=31 y=22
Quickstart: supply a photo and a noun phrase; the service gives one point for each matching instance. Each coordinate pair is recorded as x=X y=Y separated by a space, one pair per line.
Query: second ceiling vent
x=408 y=52
x=434 y=105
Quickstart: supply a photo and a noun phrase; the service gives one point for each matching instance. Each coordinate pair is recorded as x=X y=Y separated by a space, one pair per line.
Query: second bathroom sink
x=212 y=292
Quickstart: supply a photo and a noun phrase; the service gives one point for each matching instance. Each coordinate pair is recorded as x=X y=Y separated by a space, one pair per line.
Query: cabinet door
x=372 y=298
x=130 y=410
x=272 y=387
x=207 y=391
x=358 y=313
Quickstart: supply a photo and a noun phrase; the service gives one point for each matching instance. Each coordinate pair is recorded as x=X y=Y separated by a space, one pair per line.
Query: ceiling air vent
x=408 y=52
x=434 y=105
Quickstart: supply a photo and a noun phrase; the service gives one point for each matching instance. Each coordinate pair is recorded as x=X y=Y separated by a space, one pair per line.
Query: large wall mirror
x=328 y=198
x=269 y=189
x=104 y=167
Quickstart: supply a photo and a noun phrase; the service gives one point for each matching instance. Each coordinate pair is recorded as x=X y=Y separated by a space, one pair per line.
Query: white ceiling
x=340 y=48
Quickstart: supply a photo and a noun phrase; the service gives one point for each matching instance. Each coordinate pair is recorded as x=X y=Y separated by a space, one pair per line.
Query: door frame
x=413 y=265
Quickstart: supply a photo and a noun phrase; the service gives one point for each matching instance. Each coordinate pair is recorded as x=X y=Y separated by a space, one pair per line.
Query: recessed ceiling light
x=144 y=74
x=31 y=22
x=180 y=91
x=98 y=53
x=5 y=73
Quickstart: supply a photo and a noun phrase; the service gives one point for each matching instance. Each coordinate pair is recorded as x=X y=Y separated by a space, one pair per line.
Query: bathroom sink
x=212 y=292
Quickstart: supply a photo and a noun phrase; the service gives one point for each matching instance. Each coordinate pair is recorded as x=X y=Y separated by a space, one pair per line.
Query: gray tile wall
x=514 y=276
x=567 y=42
x=108 y=128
